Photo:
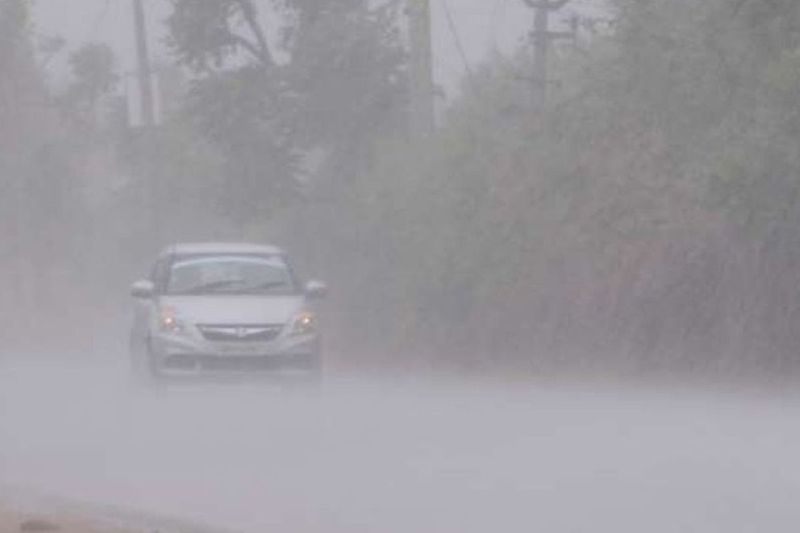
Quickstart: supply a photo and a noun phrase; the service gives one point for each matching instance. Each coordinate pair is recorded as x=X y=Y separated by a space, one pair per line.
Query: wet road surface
x=390 y=456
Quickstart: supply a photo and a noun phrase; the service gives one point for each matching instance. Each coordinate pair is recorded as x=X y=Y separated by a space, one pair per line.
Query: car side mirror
x=316 y=290
x=143 y=289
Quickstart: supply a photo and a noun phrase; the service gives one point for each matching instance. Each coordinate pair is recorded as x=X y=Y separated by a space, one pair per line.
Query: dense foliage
x=339 y=85
x=645 y=219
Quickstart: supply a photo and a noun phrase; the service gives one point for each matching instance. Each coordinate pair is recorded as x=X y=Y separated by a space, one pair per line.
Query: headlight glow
x=304 y=324
x=168 y=320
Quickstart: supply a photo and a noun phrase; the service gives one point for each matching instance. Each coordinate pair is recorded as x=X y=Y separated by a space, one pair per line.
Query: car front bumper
x=187 y=355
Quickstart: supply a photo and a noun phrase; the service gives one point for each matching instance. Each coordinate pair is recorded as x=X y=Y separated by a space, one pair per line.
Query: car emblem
x=241 y=333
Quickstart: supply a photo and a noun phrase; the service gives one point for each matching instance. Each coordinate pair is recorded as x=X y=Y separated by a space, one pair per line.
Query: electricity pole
x=143 y=60
x=152 y=187
x=422 y=89
x=542 y=37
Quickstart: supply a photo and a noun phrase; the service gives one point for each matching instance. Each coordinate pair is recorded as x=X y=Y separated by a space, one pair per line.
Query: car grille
x=240 y=332
x=192 y=362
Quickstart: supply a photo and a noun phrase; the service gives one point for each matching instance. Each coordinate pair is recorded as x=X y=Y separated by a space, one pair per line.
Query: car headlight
x=304 y=324
x=169 y=322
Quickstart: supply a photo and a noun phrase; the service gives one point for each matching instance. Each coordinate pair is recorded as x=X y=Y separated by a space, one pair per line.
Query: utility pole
x=152 y=187
x=422 y=89
x=542 y=37
x=143 y=60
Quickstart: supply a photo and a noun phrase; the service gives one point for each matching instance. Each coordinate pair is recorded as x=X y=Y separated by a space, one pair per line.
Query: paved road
x=388 y=457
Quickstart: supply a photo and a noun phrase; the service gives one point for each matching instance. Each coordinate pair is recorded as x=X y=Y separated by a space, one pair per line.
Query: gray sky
x=482 y=25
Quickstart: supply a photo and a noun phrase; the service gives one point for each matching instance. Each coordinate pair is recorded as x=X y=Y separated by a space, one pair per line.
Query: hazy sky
x=482 y=25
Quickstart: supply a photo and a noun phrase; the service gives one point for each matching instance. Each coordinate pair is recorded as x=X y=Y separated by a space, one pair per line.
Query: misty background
x=509 y=223
x=483 y=27
x=642 y=218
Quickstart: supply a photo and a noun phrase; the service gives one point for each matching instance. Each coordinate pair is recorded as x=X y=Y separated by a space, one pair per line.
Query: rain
x=399 y=265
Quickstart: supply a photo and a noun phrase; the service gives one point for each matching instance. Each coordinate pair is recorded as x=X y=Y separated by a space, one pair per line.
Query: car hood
x=235 y=309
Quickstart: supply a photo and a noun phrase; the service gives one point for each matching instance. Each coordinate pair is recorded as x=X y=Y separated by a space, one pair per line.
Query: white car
x=223 y=308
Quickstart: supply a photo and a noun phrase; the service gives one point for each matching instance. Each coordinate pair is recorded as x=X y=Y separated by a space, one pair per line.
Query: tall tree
x=234 y=100
x=348 y=76
x=93 y=77
x=340 y=84
x=205 y=33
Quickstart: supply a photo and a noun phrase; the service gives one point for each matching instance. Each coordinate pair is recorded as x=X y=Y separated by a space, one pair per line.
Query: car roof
x=221 y=248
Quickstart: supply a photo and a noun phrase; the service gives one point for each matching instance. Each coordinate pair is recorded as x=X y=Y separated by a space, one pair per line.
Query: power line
x=422 y=88
x=457 y=39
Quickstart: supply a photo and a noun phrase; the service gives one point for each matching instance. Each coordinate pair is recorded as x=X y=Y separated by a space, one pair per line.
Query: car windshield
x=230 y=274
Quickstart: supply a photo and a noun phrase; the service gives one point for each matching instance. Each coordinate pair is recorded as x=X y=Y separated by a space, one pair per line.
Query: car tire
x=143 y=367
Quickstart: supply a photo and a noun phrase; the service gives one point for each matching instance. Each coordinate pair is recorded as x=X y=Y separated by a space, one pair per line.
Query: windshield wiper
x=212 y=286
x=262 y=286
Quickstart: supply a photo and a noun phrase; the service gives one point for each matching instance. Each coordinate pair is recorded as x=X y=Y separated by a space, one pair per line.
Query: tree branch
x=261 y=48
x=250 y=47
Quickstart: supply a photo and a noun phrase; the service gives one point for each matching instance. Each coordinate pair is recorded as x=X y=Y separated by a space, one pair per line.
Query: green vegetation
x=646 y=219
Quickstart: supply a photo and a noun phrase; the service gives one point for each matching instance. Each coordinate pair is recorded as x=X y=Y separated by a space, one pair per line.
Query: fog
x=410 y=455
x=500 y=26
x=401 y=265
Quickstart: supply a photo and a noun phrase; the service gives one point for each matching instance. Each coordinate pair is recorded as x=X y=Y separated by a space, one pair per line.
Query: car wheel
x=143 y=366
